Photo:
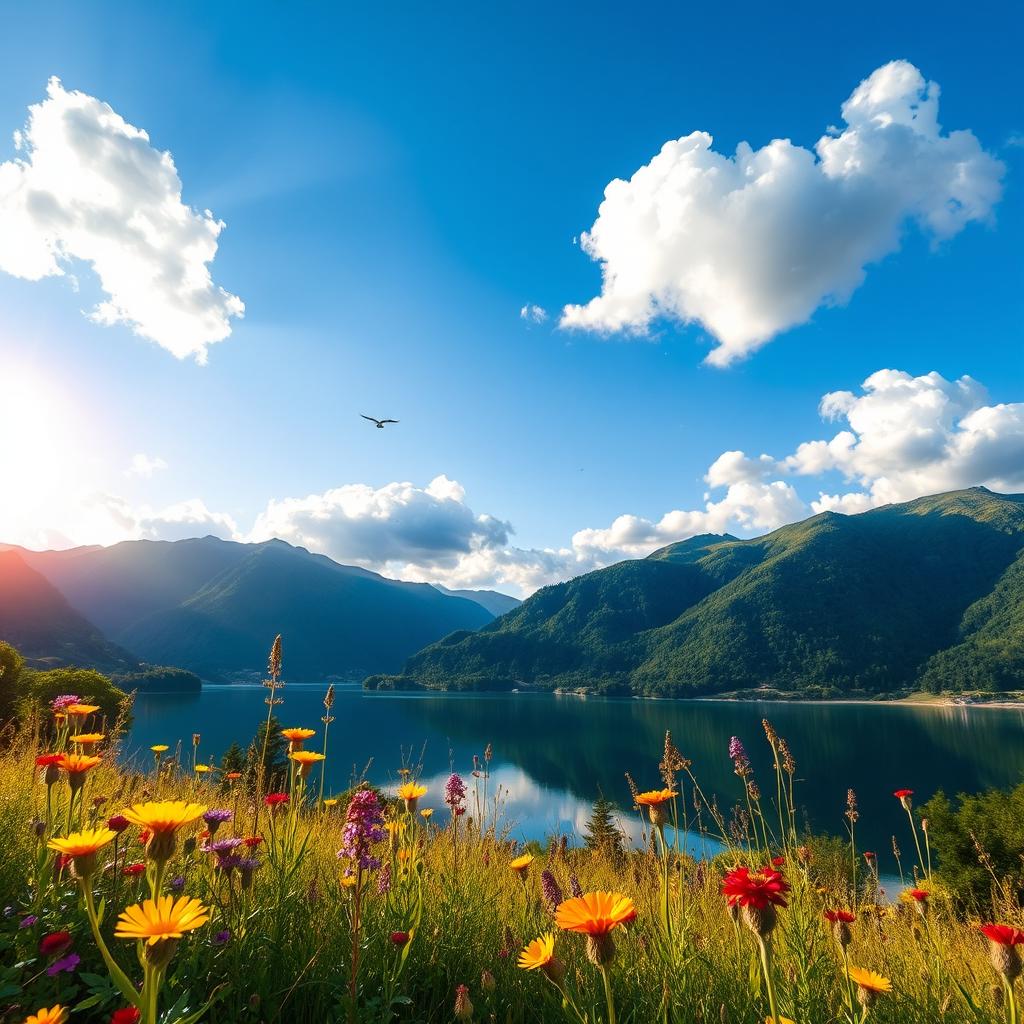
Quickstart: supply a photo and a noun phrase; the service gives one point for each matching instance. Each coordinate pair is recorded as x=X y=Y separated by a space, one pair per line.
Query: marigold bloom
x=305 y=759
x=538 y=953
x=654 y=800
x=520 y=864
x=81 y=710
x=76 y=765
x=296 y=737
x=82 y=848
x=88 y=740
x=163 y=918
x=54 y=1015
x=411 y=792
x=161 y=819
x=595 y=913
x=869 y=985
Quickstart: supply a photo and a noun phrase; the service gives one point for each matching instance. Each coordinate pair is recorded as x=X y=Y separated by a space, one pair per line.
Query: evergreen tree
x=601 y=832
x=268 y=740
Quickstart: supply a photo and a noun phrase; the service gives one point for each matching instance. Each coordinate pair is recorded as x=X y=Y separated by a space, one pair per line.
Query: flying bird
x=373 y=419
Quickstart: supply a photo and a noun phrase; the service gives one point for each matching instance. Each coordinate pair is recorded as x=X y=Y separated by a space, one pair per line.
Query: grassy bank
x=361 y=908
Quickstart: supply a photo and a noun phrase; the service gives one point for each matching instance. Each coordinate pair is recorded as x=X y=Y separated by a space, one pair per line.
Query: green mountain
x=36 y=619
x=494 y=602
x=926 y=593
x=213 y=607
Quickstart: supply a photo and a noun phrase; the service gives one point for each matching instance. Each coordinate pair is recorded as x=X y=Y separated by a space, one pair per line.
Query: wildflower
x=233 y=776
x=88 y=740
x=348 y=880
x=331 y=801
x=215 y=817
x=841 y=921
x=126 y=1015
x=203 y=769
x=521 y=864
x=411 y=792
x=54 y=1015
x=82 y=848
x=75 y=766
x=64 y=701
x=252 y=841
x=246 y=866
x=852 y=813
x=296 y=737
x=400 y=938
x=159 y=923
x=305 y=759
x=869 y=985
x=738 y=756
x=384 y=880
x=596 y=915
x=55 y=944
x=159 y=748
x=550 y=890
x=222 y=846
x=28 y=921
x=539 y=955
x=176 y=884
x=654 y=800
x=455 y=794
x=757 y=895
x=426 y=812
x=362 y=829
x=920 y=898
x=463 y=1007
x=81 y=711
x=117 y=823
x=65 y=965
x=574 y=885
x=1002 y=950
x=162 y=819
x=222 y=937
x=904 y=795
x=133 y=870
x=275 y=801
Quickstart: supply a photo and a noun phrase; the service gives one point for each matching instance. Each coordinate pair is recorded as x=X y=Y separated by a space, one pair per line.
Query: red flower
x=777 y=862
x=45 y=760
x=920 y=895
x=1002 y=934
x=400 y=938
x=741 y=888
x=901 y=793
x=126 y=1015
x=144 y=836
x=869 y=856
x=840 y=915
x=134 y=870
x=275 y=799
x=253 y=841
x=55 y=943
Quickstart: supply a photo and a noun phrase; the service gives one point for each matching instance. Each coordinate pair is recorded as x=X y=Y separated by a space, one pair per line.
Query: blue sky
x=397 y=186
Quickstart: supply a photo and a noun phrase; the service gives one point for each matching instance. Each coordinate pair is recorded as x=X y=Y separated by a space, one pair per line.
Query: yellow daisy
x=538 y=953
x=162 y=918
x=164 y=815
x=54 y=1015
x=520 y=864
x=305 y=759
x=411 y=792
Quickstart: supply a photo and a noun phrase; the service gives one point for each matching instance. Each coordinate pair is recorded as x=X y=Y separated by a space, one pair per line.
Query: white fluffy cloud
x=533 y=313
x=145 y=465
x=89 y=186
x=750 y=245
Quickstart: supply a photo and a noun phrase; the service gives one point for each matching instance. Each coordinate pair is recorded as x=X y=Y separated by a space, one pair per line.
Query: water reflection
x=553 y=755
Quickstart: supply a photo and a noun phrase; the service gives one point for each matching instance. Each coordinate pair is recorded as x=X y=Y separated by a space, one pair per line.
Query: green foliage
x=602 y=834
x=930 y=592
x=158 y=679
x=39 y=688
x=992 y=822
x=275 y=756
x=12 y=665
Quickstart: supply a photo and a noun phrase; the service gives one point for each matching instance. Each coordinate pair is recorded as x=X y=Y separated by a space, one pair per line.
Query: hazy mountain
x=930 y=592
x=37 y=620
x=214 y=606
x=495 y=602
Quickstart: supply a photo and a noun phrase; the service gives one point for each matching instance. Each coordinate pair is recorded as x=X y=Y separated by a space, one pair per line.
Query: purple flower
x=222 y=937
x=550 y=889
x=455 y=793
x=67 y=963
x=246 y=866
x=27 y=922
x=227 y=862
x=739 y=758
x=65 y=700
x=222 y=846
x=363 y=821
x=216 y=816
x=384 y=881
x=574 y=886
x=176 y=884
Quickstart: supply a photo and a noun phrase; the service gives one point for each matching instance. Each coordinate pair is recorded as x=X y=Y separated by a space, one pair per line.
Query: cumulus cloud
x=533 y=314
x=751 y=244
x=89 y=186
x=145 y=465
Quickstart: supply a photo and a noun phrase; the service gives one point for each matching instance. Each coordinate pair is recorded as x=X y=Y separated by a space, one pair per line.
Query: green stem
x=917 y=842
x=766 y=965
x=118 y=976
x=609 y=999
x=1011 y=1001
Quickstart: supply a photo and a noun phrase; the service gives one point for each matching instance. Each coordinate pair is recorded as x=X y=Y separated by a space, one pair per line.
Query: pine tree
x=601 y=832
x=268 y=741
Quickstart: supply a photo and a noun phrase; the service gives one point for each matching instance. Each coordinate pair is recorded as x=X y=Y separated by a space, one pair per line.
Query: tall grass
x=318 y=937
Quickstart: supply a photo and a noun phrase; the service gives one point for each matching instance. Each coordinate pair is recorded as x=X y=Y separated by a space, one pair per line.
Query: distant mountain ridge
x=495 y=602
x=927 y=593
x=213 y=606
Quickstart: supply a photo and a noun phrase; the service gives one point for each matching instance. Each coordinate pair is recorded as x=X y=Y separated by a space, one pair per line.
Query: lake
x=554 y=754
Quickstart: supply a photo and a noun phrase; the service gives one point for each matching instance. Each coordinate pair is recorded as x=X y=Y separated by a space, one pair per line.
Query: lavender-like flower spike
x=738 y=756
x=574 y=886
x=216 y=816
x=384 y=881
x=363 y=821
x=550 y=890
x=454 y=792
x=65 y=700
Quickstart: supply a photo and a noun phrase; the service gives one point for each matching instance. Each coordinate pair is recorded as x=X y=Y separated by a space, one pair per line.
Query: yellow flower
x=348 y=881
x=869 y=985
x=82 y=710
x=203 y=768
x=520 y=864
x=395 y=827
x=538 y=953
x=426 y=812
x=54 y=1015
x=330 y=801
x=164 y=815
x=159 y=748
x=305 y=759
x=654 y=797
x=595 y=913
x=411 y=792
x=295 y=737
x=88 y=739
x=82 y=847
x=403 y=855
x=162 y=918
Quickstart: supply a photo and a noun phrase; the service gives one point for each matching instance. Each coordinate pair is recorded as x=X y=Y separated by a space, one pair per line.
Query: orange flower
x=82 y=848
x=869 y=985
x=165 y=815
x=305 y=759
x=78 y=764
x=54 y=1015
x=654 y=797
x=540 y=955
x=595 y=913
x=521 y=864
x=81 y=710
x=411 y=792
x=296 y=737
x=88 y=740
x=163 y=918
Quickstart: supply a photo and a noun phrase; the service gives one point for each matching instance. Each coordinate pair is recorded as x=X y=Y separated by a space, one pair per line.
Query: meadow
x=191 y=892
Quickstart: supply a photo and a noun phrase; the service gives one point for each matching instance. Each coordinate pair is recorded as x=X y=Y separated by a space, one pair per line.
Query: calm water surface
x=554 y=754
